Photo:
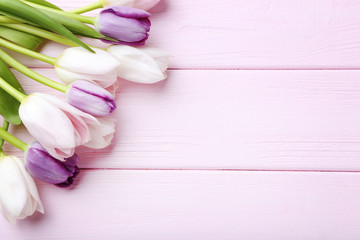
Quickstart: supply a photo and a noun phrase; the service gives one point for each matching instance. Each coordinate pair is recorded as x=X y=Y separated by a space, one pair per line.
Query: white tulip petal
x=138 y=66
x=79 y=63
x=78 y=118
x=113 y=88
x=13 y=190
x=101 y=133
x=40 y=117
x=18 y=193
x=31 y=186
x=66 y=76
x=60 y=153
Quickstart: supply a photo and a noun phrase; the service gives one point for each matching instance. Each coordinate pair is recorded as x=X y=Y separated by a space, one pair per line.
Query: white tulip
x=142 y=65
x=101 y=130
x=60 y=127
x=19 y=197
x=77 y=63
x=141 y=4
x=101 y=135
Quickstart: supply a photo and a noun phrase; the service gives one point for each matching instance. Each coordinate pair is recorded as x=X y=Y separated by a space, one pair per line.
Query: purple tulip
x=130 y=26
x=91 y=98
x=40 y=164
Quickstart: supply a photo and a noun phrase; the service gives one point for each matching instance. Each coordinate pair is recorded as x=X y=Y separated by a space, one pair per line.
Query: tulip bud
x=142 y=65
x=128 y=25
x=91 y=98
x=141 y=4
x=43 y=166
x=58 y=131
x=60 y=127
x=76 y=63
x=19 y=197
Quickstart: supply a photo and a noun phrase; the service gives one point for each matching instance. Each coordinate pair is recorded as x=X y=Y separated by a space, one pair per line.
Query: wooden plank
x=299 y=120
x=253 y=34
x=190 y=205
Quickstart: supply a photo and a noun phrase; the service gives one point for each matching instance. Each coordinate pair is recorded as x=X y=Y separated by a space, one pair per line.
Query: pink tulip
x=60 y=127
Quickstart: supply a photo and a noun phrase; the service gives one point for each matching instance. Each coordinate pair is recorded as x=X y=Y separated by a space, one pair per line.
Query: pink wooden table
x=255 y=135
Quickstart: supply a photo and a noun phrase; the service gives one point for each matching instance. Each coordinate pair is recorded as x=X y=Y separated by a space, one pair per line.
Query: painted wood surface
x=253 y=33
x=162 y=205
x=226 y=148
x=279 y=120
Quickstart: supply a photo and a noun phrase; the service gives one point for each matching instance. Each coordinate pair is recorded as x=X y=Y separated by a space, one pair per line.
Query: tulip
x=128 y=25
x=43 y=166
x=101 y=130
x=113 y=88
x=19 y=196
x=58 y=126
x=142 y=65
x=102 y=133
x=76 y=63
x=91 y=98
x=141 y=4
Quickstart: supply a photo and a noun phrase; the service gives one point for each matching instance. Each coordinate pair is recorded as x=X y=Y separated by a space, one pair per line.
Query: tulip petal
x=113 y=88
x=43 y=166
x=30 y=185
x=137 y=65
x=127 y=25
x=101 y=133
x=91 y=98
x=127 y=12
x=77 y=63
x=40 y=117
x=80 y=128
x=13 y=190
x=130 y=30
x=141 y=4
x=18 y=194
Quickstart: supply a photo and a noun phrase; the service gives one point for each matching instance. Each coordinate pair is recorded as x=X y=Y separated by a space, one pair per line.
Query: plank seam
x=222 y=170
x=247 y=69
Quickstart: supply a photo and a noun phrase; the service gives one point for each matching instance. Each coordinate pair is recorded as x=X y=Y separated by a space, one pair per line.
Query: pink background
x=255 y=135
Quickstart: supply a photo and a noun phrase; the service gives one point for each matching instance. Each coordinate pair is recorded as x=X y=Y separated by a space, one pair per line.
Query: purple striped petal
x=41 y=165
x=127 y=25
x=91 y=98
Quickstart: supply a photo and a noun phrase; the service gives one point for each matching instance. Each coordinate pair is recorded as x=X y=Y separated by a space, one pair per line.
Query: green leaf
x=23 y=12
x=73 y=25
x=9 y=106
x=23 y=39
x=45 y=3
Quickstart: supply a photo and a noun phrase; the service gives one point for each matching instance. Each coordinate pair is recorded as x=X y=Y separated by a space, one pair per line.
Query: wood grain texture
x=271 y=120
x=194 y=205
x=252 y=34
x=241 y=154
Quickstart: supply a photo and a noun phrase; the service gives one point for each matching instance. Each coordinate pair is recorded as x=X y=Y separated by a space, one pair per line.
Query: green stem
x=11 y=90
x=2 y=153
x=5 y=127
x=13 y=140
x=81 y=18
x=40 y=32
x=30 y=73
x=88 y=8
x=4 y=19
x=27 y=52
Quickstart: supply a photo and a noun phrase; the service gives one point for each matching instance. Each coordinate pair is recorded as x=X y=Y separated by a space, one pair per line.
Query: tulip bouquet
x=89 y=78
